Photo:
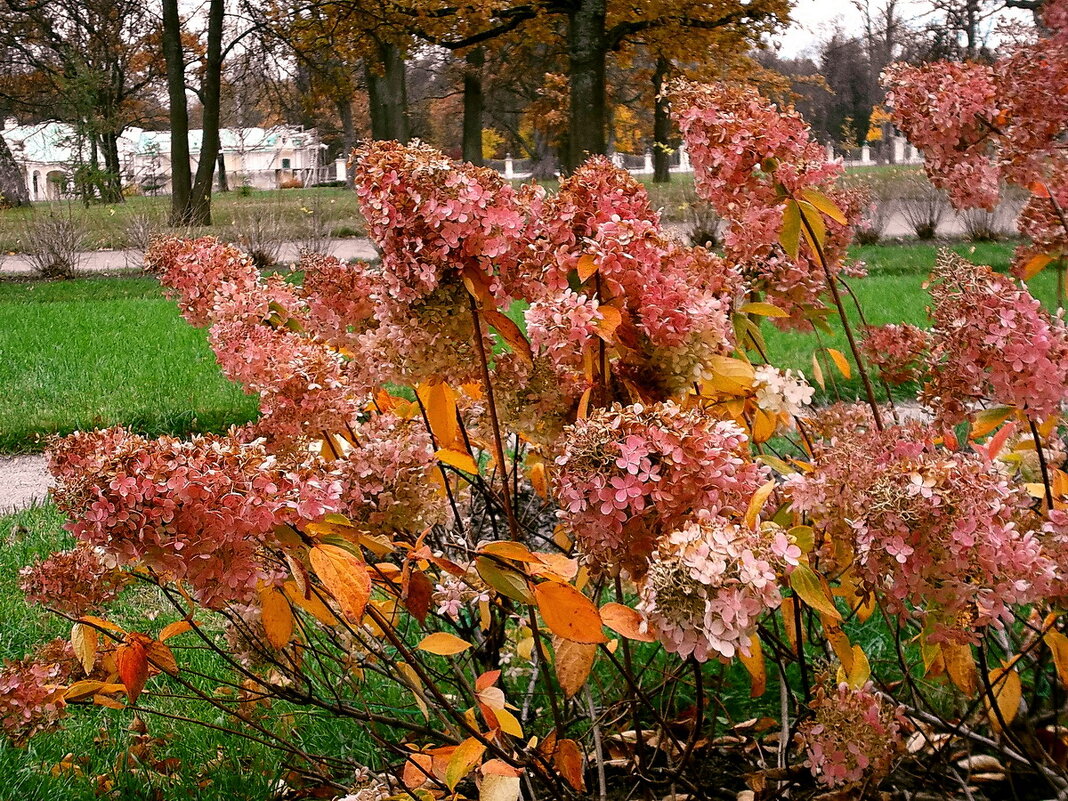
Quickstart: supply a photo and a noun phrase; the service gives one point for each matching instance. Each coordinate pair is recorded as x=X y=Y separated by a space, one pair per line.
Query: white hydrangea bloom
x=782 y=390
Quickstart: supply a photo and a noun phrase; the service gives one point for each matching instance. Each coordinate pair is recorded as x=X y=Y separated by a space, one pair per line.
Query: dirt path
x=23 y=481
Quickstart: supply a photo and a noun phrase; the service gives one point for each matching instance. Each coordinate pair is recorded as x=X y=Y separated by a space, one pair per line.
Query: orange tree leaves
x=568 y=613
x=345 y=576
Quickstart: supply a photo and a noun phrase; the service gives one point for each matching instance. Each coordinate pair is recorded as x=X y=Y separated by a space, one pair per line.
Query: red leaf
x=132 y=663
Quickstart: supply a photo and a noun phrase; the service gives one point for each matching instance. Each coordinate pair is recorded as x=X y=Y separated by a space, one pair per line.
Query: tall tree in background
x=191 y=196
x=90 y=63
x=12 y=183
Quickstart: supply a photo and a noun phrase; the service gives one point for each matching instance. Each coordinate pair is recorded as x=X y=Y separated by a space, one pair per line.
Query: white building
x=263 y=158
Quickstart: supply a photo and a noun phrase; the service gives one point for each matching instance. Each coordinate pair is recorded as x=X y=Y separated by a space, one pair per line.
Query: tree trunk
x=210 y=92
x=661 y=123
x=224 y=183
x=472 y=139
x=587 y=53
x=181 y=178
x=111 y=185
x=543 y=167
x=387 y=95
x=13 y=191
x=348 y=128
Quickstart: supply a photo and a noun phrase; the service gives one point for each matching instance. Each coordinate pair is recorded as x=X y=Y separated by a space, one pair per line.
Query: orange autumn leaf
x=345 y=576
x=568 y=613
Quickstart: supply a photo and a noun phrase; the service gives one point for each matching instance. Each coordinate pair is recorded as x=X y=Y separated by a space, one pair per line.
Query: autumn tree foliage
x=534 y=477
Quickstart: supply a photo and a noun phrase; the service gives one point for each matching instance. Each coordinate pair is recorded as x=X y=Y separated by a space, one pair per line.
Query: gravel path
x=99 y=261
x=23 y=481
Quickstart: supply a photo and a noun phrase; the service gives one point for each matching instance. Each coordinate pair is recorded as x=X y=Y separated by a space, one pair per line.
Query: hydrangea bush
x=534 y=477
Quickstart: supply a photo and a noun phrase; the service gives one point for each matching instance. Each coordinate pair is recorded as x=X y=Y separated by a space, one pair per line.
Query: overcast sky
x=815 y=19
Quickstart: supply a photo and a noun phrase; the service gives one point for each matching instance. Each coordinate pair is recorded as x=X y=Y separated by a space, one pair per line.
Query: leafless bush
x=139 y=232
x=923 y=206
x=702 y=222
x=981 y=225
x=54 y=245
x=261 y=235
x=884 y=193
x=314 y=234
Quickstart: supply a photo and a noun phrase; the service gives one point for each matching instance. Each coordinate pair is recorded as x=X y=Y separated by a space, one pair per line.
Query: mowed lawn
x=103 y=351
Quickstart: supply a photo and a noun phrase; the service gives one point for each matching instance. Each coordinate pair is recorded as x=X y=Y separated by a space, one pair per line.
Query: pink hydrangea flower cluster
x=675 y=299
x=710 y=581
x=75 y=582
x=979 y=124
x=201 y=274
x=197 y=511
x=628 y=474
x=896 y=351
x=935 y=532
x=31 y=697
x=386 y=478
x=947 y=111
x=432 y=217
x=855 y=736
x=991 y=340
x=745 y=152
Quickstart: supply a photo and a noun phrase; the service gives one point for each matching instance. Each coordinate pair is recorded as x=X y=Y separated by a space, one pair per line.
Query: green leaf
x=790 y=235
x=507 y=581
x=809 y=589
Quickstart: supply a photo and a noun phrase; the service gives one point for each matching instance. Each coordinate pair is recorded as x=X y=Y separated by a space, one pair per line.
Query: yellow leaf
x=987 y=420
x=586 y=267
x=860 y=670
x=439 y=401
x=809 y=589
x=825 y=204
x=625 y=622
x=764 y=309
x=1008 y=690
x=756 y=503
x=574 y=661
x=568 y=613
x=277 y=618
x=732 y=376
x=610 y=320
x=458 y=459
x=1035 y=265
x=506 y=580
x=960 y=666
x=1058 y=644
x=508 y=722
x=443 y=644
x=841 y=362
x=84 y=640
x=174 y=629
x=755 y=666
x=816 y=231
x=817 y=372
x=463 y=760
x=498 y=787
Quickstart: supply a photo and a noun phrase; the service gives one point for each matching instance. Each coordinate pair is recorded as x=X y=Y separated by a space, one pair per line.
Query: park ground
x=111 y=349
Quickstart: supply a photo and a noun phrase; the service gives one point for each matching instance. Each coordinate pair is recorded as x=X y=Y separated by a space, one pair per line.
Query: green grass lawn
x=212 y=765
x=108 y=224
x=101 y=351
x=106 y=350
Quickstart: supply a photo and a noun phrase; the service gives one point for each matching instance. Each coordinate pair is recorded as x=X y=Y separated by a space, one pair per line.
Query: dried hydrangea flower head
x=855 y=736
x=710 y=581
x=627 y=474
x=896 y=351
x=748 y=156
x=935 y=532
x=991 y=341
